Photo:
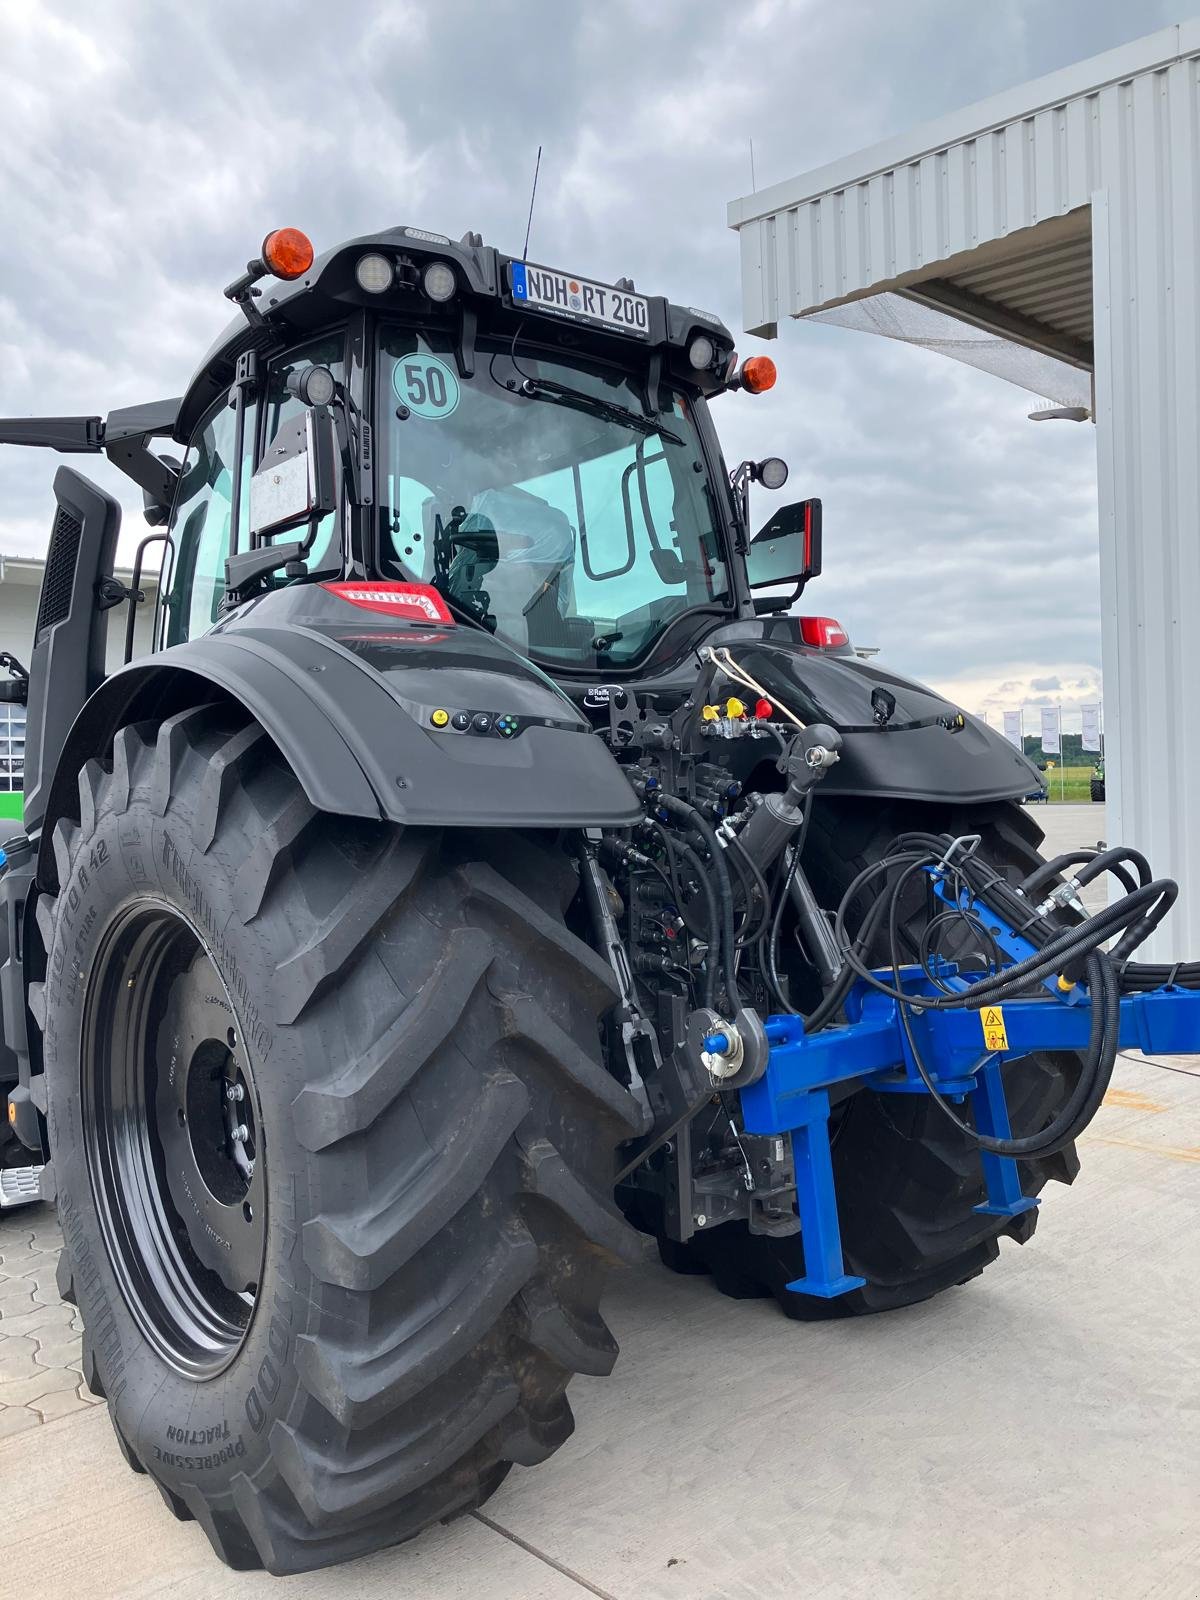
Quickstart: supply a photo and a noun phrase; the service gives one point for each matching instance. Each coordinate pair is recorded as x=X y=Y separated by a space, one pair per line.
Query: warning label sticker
x=995 y=1035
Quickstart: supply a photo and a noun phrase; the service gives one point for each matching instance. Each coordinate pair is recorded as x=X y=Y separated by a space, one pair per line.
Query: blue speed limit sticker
x=427 y=386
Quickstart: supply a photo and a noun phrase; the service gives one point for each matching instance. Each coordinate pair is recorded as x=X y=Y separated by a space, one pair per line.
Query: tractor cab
x=533 y=447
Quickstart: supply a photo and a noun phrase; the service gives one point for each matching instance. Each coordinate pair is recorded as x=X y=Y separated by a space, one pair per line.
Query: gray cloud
x=145 y=150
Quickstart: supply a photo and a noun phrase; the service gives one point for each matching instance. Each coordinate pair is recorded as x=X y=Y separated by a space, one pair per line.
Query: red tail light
x=823 y=633
x=411 y=602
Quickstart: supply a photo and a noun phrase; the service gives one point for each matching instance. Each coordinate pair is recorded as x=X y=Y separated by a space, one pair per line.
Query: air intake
x=58 y=581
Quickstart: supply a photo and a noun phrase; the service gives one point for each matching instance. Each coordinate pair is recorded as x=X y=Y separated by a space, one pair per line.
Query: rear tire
x=907 y=1179
x=435 y=1128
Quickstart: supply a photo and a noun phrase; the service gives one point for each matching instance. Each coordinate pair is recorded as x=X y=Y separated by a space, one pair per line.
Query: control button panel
x=480 y=724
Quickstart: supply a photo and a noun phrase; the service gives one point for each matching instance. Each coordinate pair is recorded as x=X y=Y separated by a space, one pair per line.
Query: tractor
x=492 y=869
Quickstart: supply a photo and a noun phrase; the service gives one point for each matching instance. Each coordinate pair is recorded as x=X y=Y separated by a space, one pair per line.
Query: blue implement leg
x=816 y=1199
x=1000 y=1173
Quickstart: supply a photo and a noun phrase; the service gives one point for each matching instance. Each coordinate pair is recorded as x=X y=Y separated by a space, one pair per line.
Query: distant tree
x=1072 y=755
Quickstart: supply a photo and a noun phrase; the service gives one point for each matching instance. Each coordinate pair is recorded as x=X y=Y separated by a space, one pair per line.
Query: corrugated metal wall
x=891 y=225
x=1128 y=146
x=1146 y=266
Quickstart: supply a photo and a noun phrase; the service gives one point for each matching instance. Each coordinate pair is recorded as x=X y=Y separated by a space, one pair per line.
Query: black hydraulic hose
x=699 y=825
x=1084 y=1099
x=833 y=1001
x=1071 y=858
x=1076 y=946
x=1091 y=863
x=1141 y=930
x=745 y=863
x=770 y=935
x=1057 y=950
x=1057 y=955
x=704 y=878
x=771 y=963
x=1051 y=960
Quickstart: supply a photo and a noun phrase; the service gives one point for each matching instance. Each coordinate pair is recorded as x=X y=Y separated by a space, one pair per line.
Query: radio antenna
x=532 y=198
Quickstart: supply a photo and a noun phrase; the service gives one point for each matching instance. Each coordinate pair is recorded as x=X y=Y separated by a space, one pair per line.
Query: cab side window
x=200 y=525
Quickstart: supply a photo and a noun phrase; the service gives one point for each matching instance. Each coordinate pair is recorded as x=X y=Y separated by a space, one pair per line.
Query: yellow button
x=734 y=708
x=440 y=718
x=710 y=713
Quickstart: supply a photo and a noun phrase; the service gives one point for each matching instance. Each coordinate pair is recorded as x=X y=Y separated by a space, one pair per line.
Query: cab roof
x=279 y=311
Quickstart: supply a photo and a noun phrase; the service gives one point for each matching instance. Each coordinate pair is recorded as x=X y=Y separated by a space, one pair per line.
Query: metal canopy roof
x=984 y=214
x=1038 y=294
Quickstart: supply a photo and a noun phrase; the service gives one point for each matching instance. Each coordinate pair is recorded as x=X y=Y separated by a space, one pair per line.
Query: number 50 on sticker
x=427 y=386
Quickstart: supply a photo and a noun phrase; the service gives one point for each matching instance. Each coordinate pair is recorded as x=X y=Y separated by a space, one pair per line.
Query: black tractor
x=392 y=950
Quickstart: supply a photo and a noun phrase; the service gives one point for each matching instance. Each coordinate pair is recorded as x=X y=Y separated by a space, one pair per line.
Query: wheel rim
x=174 y=1138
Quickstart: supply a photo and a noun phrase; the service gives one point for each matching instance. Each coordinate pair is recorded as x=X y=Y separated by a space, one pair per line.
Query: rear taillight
x=823 y=633
x=413 y=602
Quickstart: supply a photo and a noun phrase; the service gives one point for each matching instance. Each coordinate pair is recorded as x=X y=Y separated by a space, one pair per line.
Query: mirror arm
x=243 y=572
x=765 y=604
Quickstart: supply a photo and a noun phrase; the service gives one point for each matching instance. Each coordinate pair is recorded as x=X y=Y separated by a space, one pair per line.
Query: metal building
x=1065 y=216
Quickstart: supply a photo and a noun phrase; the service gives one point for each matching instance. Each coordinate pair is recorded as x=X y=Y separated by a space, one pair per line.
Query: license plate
x=544 y=289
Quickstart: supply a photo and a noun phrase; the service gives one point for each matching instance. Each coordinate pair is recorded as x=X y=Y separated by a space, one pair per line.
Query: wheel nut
x=241 y=1133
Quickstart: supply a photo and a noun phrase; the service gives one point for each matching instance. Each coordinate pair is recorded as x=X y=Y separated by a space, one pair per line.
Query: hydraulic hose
x=1072 y=949
x=728 y=943
x=1100 y=1056
x=750 y=873
x=684 y=850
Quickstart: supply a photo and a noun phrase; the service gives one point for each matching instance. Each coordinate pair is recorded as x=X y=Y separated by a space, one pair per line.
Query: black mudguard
x=920 y=754
x=364 y=708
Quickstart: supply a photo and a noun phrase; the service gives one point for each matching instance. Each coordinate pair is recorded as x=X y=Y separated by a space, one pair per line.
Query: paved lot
x=1035 y=1432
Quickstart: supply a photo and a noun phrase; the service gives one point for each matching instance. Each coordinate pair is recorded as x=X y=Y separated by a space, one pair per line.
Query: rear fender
x=362 y=708
x=925 y=752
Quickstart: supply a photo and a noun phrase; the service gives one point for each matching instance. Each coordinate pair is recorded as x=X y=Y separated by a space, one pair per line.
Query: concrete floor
x=1034 y=1432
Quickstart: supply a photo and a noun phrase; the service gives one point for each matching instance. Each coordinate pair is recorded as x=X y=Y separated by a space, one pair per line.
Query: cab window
x=200 y=522
x=200 y=525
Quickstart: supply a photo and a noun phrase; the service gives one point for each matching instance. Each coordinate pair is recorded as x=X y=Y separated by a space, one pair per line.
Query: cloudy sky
x=146 y=149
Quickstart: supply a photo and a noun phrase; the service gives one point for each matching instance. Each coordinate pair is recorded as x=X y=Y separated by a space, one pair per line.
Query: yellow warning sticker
x=995 y=1034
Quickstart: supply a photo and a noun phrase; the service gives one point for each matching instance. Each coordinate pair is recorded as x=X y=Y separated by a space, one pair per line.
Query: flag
x=1013 y=730
x=1051 y=728
x=1091 y=727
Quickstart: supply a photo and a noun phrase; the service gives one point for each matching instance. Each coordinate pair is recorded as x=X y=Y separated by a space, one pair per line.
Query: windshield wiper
x=561 y=394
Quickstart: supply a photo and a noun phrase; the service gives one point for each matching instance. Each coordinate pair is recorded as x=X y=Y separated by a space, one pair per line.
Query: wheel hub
x=175 y=1139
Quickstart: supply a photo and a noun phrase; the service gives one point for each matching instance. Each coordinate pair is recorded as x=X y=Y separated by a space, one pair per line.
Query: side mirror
x=297 y=481
x=786 y=549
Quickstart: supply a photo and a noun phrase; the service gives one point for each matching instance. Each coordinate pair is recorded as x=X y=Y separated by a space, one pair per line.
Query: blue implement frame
x=871 y=1050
